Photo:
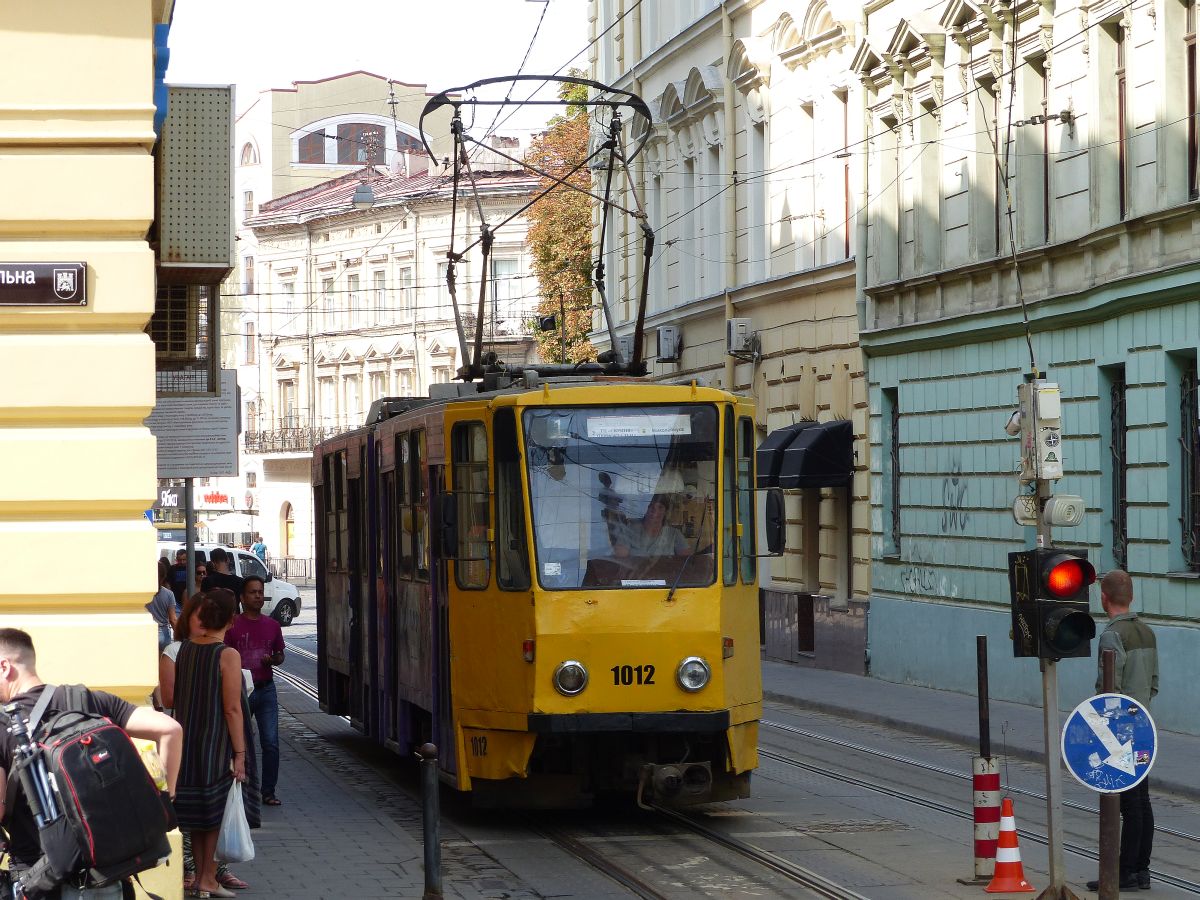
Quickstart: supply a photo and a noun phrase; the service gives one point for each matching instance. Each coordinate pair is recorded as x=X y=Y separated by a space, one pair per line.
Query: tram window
x=404 y=534
x=512 y=547
x=343 y=514
x=420 y=504
x=729 y=504
x=623 y=496
x=745 y=487
x=470 y=459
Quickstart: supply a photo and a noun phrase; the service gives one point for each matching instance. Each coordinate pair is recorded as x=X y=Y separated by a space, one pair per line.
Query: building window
x=360 y=144
x=169 y=326
x=327 y=398
x=1193 y=146
x=329 y=302
x=251 y=426
x=378 y=296
x=248 y=203
x=251 y=344
x=312 y=148
x=1190 y=443
x=1122 y=137
x=377 y=386
x=356 y=304
x=1119 y=460
x=443 y=293
x=248 y=275
x=251 y=477
x=506 y=294
x=441 y=375
x=288 y=416
x=353 y=387
x=249 y=154
x=404 y=279
x=891 y=469
x=470 y=448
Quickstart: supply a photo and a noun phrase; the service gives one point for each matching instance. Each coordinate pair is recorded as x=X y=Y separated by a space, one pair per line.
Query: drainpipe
x=860 y=218
x=730 y=195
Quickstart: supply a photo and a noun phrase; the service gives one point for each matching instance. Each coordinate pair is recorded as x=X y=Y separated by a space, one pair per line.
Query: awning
x=807 y=455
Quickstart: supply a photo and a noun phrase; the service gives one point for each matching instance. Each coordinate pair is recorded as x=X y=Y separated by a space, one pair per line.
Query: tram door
x=443 y=724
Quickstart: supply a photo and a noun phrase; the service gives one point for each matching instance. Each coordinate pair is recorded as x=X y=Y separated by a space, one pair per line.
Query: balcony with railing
x=289 y=438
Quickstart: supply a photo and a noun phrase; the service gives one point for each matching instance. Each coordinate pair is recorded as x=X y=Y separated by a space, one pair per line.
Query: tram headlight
x=693 y=674
x=570 y=678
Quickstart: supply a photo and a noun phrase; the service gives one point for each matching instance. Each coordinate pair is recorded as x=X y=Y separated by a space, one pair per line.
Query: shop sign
x=43 y=284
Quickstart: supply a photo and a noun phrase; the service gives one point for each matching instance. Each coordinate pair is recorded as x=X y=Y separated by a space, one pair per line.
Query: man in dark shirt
x=178 y=579
x=19 y=683
x=220 y=565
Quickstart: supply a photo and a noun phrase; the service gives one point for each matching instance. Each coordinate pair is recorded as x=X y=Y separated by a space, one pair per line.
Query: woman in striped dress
x=210 y=703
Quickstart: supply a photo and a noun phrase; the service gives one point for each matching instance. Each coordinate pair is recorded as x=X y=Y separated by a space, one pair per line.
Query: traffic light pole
x=1051 y=727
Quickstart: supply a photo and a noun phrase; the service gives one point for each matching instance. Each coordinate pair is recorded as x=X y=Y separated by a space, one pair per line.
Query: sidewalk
x=345 y=831
x=950 y=716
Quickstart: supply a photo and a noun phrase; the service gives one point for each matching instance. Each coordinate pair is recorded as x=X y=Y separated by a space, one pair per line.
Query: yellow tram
x=555 y=581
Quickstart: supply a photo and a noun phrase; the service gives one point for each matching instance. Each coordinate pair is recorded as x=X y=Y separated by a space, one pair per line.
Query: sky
x=258 y=44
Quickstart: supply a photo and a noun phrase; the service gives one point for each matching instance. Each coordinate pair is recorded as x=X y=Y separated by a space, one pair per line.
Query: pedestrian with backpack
x=96 y=816
x=210 y=703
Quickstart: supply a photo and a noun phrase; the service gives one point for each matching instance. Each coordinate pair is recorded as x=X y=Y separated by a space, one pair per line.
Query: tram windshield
x=623 y=497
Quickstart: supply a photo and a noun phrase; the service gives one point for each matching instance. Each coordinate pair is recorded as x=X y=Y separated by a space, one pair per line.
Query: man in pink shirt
x=259 y=640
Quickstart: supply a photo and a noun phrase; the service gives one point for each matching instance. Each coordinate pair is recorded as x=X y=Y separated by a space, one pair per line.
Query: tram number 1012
x=626 y=675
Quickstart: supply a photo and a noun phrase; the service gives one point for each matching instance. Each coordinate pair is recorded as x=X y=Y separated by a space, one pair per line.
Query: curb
x=1182 y=789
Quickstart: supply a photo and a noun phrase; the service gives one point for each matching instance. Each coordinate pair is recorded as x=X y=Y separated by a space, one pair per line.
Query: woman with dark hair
x=210 y=702
x=162 y=607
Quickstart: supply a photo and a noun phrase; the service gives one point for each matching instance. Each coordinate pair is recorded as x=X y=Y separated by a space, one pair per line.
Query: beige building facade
x=77 y=379
x=352 y=305
x=750 y=181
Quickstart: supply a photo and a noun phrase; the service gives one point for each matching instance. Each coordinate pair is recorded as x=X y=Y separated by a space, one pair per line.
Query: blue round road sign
x=1109 y=743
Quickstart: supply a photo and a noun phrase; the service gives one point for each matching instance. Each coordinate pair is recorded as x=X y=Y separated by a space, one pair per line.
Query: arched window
x=249 y=154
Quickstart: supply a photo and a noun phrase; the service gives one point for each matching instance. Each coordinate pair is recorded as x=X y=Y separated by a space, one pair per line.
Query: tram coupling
x=675 y=784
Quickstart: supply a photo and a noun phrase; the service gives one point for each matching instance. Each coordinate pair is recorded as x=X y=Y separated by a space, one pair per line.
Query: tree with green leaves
x=560 y=232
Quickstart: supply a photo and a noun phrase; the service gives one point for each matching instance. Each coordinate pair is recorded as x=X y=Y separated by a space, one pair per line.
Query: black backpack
x=114 y=820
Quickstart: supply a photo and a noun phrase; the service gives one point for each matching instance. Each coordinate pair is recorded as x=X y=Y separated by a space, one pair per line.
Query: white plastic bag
x=233 y=841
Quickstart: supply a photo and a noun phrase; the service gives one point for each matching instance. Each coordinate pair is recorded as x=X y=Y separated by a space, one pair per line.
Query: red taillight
x=527 y=650
x=727 y=647
x=1066 y=579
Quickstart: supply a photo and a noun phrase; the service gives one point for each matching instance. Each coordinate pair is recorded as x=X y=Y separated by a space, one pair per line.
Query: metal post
x=985 y=728
x=431 y=821
x=1110 y=804
x=985 y=782
x=189 y=534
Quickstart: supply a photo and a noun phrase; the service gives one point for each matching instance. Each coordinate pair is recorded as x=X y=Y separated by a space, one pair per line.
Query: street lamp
x=364 y=197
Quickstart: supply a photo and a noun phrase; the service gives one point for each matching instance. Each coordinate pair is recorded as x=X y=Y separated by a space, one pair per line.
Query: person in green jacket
x=1136 y=677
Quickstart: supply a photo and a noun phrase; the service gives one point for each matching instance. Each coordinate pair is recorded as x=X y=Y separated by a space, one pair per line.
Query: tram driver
x=652 y=536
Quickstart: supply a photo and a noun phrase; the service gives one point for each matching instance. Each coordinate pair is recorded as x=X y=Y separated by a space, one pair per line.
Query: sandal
x=272 y=800
x=229 y=880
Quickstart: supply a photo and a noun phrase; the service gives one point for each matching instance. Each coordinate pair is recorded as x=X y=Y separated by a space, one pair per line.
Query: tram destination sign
x=43 y=284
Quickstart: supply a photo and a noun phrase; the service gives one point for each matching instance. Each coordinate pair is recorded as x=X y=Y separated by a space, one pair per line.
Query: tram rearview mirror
x=776 y=522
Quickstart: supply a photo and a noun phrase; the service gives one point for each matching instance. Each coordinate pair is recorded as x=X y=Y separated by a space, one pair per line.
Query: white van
x=282 y=599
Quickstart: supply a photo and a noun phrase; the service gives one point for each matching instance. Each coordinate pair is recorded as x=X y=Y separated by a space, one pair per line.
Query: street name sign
x=43 y=284
x=1109 y=743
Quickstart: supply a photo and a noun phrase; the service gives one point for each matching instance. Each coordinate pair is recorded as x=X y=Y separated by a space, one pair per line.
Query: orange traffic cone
x=1010 y=874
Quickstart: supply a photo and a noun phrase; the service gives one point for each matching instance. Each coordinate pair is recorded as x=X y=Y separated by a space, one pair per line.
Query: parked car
x=282 y=599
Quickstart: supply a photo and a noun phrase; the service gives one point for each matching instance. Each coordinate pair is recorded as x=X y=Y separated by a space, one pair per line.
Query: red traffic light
x=1067 y=575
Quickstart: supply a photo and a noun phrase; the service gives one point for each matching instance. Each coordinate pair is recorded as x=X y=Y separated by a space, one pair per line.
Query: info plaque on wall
x=43 y=284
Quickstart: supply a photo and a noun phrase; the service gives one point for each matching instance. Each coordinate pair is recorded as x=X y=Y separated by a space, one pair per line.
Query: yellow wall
x=77 y=466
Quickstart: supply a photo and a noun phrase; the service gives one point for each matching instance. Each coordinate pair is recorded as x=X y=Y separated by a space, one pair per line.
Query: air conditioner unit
x=625 y=347
x=739 y=336
x=670 y=343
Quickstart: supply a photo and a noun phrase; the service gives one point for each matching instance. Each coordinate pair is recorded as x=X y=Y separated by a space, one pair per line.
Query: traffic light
x=1049 y=589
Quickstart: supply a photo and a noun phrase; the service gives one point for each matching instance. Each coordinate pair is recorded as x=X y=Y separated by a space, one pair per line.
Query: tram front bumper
x=639 y=723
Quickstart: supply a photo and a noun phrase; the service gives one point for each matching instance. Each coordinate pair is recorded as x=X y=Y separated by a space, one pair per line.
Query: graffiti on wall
x=918 y=576
x=955 y=517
